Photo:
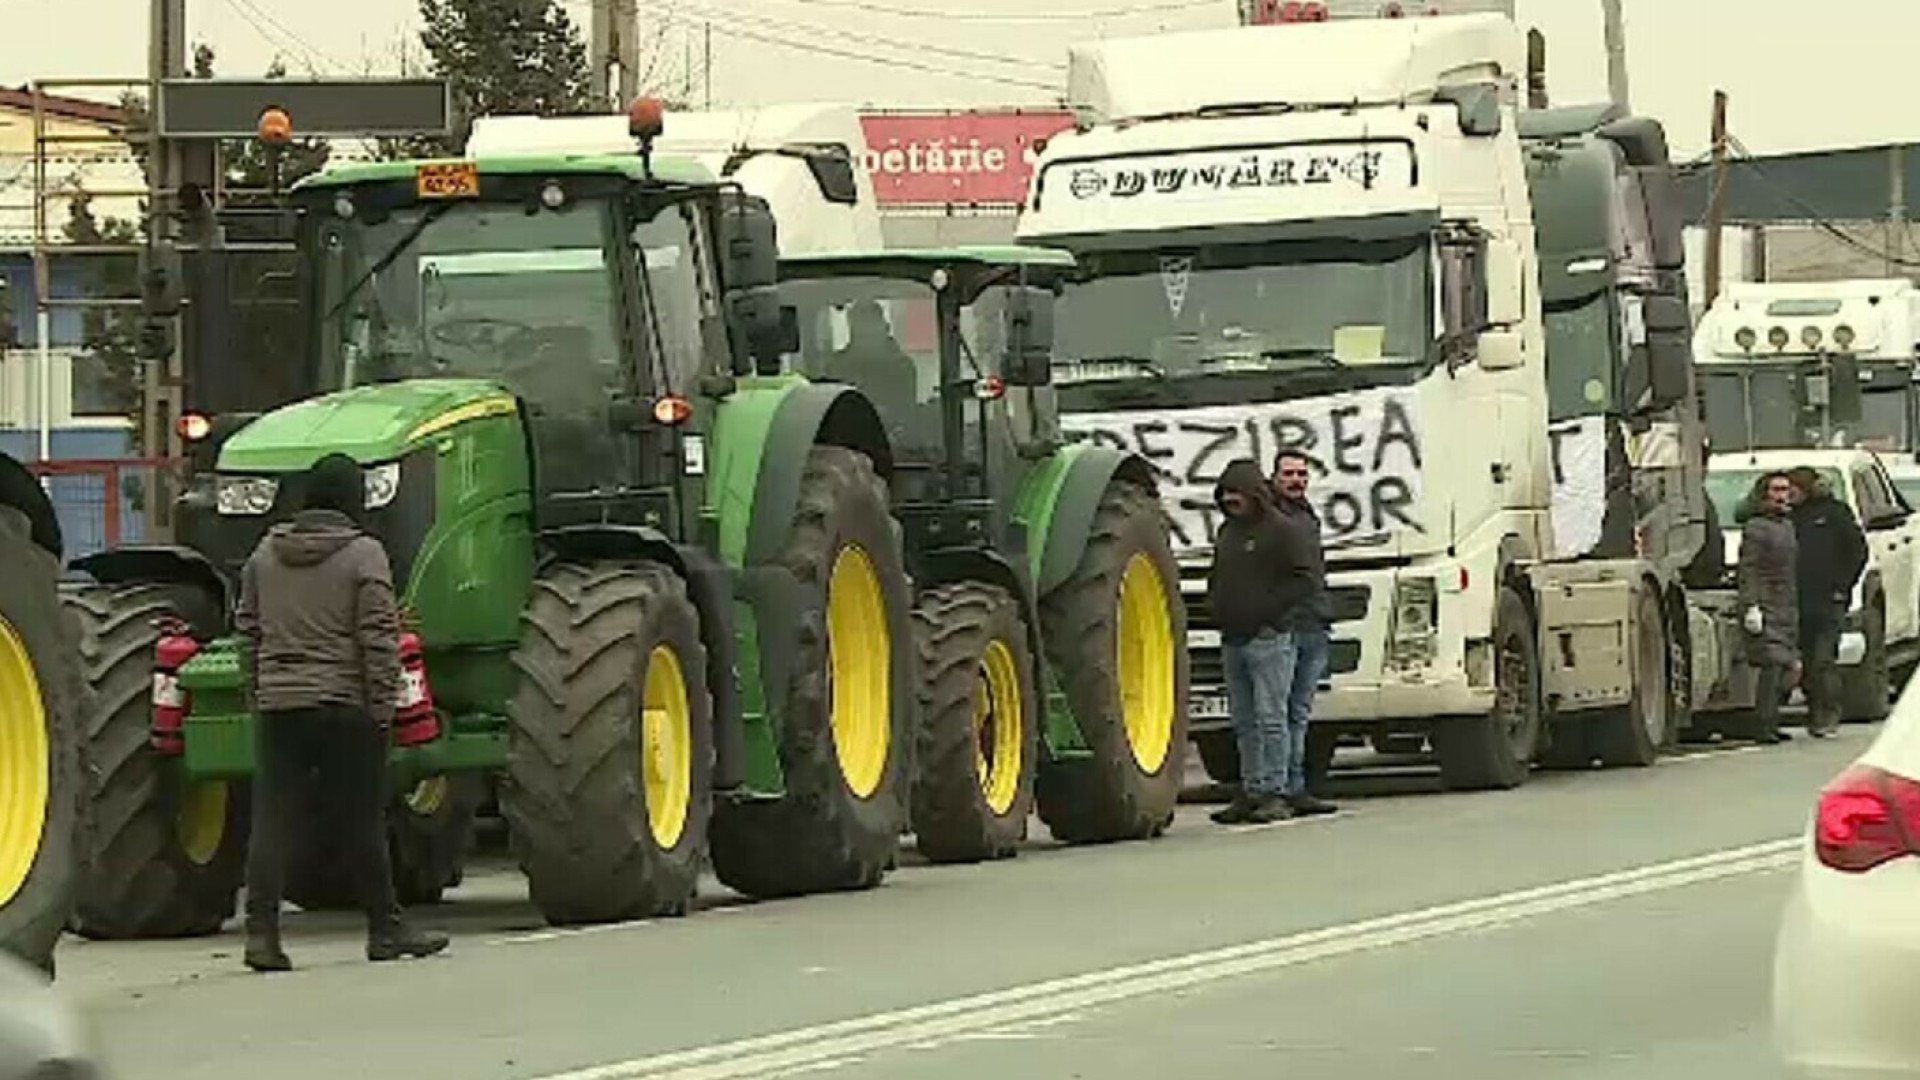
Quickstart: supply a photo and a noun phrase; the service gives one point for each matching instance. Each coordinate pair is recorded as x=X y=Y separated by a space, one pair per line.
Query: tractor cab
x=952 y=346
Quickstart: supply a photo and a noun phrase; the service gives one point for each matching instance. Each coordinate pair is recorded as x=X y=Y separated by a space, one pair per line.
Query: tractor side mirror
x=757 y=326
x=1669 y=349
x=1029 y=336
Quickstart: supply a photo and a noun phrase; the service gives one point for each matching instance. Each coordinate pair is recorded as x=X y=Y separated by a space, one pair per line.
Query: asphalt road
x=1595 y=925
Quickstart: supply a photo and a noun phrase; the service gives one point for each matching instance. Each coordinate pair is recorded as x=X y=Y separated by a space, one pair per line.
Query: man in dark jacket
x=1768 y=598
x=1832 y=555
x=321 y=641
x=1246 y=593
x=1309 y=618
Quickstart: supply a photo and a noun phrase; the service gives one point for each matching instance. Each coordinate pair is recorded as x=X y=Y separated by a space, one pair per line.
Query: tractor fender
x=949 y=565
x=810 y=415
x=20 y=490
x=167 y=563
x=1059 y=500
x=710 y=587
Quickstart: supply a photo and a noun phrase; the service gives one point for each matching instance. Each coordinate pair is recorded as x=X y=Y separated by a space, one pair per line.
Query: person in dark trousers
x=1832 y=555
x=1769 y=601
x=1309 y=618
x=1246 y=591
x=320 y=636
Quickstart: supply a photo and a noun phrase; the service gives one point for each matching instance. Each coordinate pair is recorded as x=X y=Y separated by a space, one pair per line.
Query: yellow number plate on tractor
x=448 y=180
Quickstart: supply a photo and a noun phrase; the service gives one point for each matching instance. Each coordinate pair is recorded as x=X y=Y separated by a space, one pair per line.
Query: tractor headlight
x=383 y=483
x=245 y=496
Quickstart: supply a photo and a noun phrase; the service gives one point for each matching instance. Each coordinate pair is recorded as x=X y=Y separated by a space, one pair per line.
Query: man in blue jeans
x=1252 y=590
x=1309 y=616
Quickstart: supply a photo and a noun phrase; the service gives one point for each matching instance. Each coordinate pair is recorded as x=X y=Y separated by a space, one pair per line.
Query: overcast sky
x=1799 y=74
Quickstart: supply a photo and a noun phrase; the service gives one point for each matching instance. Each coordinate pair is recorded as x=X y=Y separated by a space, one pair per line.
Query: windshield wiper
x=1144 y=366
x=1325 y=356
x=431 y=215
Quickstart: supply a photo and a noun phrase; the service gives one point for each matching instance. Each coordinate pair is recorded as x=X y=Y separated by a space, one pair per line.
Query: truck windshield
x=1265 y=306
x=473 y=290
x=1775 y=397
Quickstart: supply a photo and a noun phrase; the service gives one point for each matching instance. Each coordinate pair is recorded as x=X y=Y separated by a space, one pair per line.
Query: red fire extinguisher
x=414 y=720
x=171 y=702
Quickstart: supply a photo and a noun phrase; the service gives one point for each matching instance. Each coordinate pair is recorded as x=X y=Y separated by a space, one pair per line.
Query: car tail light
x=1867 y=817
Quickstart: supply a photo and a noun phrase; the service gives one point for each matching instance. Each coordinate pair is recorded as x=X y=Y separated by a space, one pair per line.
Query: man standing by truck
x=1247 y=591
x=1832 y=555
x=1309 y=619
x=1769 y=598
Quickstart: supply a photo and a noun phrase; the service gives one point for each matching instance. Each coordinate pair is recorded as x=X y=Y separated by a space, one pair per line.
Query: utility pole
x=1616 y=37
x=1897 y=211
x=1717 y=195
x=161 y=374
x=600 y=53
x=626 y=41
x=706 y=70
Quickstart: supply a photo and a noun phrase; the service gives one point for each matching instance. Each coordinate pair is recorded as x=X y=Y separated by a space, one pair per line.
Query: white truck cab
x=1322 y=236
x=1881 y=638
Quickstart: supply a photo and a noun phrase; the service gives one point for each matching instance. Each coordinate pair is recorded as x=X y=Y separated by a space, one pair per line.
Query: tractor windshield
x=475 y=290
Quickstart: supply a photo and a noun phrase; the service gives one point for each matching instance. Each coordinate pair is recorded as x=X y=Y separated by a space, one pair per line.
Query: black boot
x=1269 y=809
x=264 y=952
x=1234 y=813
x=1306 y=804
x=396 y=939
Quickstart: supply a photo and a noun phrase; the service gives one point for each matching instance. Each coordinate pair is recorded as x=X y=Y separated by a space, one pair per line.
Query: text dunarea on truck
x=1346 y=238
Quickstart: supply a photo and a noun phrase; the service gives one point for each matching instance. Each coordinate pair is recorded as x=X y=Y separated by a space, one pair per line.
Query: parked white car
x=1846 y=968
x=1881 y=637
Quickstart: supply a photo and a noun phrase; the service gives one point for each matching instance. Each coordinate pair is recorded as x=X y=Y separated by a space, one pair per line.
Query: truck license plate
x=448 y=180
x=1208 y=706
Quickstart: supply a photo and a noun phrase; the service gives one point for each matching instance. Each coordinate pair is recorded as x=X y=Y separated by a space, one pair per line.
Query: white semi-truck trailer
x=1324 y=236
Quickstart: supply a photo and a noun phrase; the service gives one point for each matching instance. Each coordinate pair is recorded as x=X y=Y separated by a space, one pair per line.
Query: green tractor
x=40 y=698
x=655 y=580
x=1051 y=633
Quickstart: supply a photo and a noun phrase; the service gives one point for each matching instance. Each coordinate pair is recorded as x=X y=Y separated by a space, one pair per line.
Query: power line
x=947 y=15
x=884 y=61
x=756 y=22
x=251 y=12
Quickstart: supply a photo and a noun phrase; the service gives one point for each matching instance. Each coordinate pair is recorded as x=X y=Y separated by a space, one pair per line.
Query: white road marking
x=569 y=932
x=783 y=1052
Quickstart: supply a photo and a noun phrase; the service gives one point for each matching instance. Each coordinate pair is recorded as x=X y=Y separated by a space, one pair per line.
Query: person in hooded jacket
x=1832 y=556
x=1769 y=601
x=321 y=644
x=1252 y=590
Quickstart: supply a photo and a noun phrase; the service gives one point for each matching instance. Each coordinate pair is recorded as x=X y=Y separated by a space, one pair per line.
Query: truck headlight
x=245 y=496
x=383 y=483
x=1416 y=619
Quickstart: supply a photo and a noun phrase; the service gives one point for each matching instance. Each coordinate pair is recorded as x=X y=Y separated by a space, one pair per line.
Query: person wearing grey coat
x=1769 y=598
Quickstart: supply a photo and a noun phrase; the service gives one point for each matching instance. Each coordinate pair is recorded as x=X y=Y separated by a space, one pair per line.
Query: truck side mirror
x=1844 y=403
x=1463 y=293
x=1029 y=336
x=1669 y=349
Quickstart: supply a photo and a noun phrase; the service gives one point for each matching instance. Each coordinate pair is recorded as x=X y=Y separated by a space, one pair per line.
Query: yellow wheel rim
x=428 y=796
x=202 y=824
x=25 y=764
x=860 y=657
x=666 y=747
x=997 y=720
x=1145 y=663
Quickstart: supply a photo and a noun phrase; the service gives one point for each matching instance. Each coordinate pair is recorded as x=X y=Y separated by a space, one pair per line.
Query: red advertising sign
x=965 y=158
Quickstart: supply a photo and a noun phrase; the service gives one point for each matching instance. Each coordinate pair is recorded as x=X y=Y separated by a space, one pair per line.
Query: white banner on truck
x=1579 y=454
x=1365 y=447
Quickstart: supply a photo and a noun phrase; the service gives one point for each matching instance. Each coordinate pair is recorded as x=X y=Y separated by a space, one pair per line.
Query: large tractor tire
x=429 y=831
x=40 y=701
x=1496 y=751
x=164 y=855
x=610 y=749
x=979 y=724
x=1115 y=631
x=1636 y=734
x=847 y=724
